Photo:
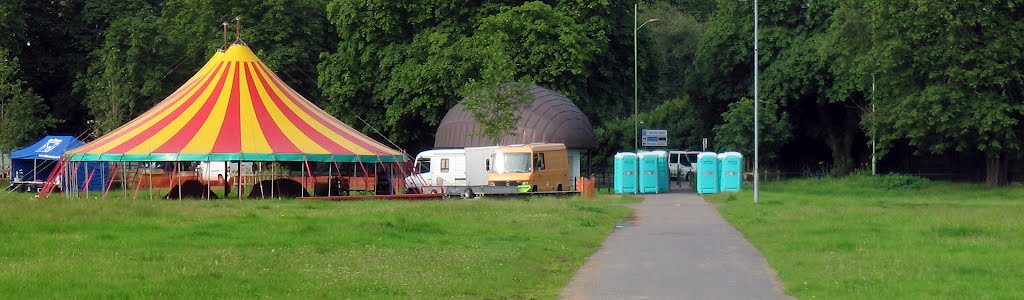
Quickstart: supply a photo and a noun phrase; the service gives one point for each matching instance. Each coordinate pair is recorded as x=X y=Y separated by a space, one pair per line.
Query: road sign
x=654 y=138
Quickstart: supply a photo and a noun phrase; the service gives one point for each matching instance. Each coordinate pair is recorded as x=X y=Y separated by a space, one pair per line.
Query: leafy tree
x=678 y=116
x=126 y=75
x=53 y=51
x=737 y=133
x=673 y=46
x=613 y=136
x=495 y=103
x=950 y=77
x=401 y=65
x=22 y=113
x=795 y=57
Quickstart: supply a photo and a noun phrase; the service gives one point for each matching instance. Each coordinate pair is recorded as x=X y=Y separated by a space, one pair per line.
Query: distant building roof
x=552 y=118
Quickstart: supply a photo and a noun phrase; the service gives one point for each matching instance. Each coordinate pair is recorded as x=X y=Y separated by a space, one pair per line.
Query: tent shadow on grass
x=278 y=188
x=191 y=189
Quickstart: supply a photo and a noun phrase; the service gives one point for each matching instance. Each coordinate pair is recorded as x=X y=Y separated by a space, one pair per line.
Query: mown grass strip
x=891 y=237
x=90 y=248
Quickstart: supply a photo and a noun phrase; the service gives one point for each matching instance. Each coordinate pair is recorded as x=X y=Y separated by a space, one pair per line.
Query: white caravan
x=439 y=169
x=209 y=170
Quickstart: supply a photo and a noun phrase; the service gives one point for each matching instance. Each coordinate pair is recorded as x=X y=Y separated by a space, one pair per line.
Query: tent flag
x=235 y=108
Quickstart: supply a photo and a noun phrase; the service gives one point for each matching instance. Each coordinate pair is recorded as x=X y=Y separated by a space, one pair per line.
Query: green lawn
x=886 y=238
x=89 y=248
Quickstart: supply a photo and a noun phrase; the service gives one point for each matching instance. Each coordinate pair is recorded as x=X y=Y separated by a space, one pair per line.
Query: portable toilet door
x=617 y=174
x=648 y=172
x=663 y=184
x=625 y=173
x=731 y=171
x=707 y=173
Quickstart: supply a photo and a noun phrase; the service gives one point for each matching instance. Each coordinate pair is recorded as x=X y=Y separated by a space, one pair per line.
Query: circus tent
x=235 y=109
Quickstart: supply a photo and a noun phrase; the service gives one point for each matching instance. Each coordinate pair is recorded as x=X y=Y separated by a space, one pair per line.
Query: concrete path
x=678 y=247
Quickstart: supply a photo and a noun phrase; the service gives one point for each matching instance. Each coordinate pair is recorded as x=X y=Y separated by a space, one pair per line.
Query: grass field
x=84 y=248
x=894 y=237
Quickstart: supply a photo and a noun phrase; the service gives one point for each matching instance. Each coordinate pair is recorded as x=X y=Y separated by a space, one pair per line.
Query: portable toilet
x=707 y=173
x=663 y=183
x=625 y=177
x=649 y=179
x=731 y=171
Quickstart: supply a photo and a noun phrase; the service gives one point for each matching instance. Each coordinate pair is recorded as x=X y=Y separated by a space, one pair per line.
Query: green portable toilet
x=625 y=173
x=707 y=173
x=730 y=171
x=648 y=172
x=662 y=171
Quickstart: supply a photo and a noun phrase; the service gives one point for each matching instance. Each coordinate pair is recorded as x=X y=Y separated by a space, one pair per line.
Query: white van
x=681 y=164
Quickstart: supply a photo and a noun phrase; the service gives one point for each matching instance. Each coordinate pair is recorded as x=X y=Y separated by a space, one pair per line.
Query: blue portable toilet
x=662 y=171
x=730 y=171
x=707 y=173
x=649 y=178
x=625 y=178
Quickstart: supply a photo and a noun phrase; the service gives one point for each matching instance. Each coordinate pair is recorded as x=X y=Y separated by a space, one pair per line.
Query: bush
x=901 y=182
x=889 y=182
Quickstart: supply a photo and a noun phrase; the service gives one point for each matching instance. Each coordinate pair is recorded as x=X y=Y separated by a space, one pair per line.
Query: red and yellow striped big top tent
x=235 y=108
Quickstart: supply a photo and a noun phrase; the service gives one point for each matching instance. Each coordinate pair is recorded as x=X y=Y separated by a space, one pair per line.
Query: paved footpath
x=678 y=247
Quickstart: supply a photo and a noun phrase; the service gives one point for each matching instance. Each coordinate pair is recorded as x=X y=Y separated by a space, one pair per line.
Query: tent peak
x=239 y=52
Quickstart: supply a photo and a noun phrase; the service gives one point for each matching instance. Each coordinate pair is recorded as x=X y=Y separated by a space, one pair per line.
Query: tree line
x=935 y=76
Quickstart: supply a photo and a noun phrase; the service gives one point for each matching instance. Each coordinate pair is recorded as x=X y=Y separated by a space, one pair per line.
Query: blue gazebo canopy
x=50 y=147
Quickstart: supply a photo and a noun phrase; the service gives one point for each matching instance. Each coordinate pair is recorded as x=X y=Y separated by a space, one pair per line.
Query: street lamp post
x=756 y=125
x=636 y=80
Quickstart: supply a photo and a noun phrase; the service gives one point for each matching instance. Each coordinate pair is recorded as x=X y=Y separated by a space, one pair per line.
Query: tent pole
x=177 y=166
x=110 y=182
x=313 y=175
x=309 y=171
x=330 y=178
x=303 y=175
x=103 y=175
x=34 y=171
x=170 y=179
x=276 y=183
x=138 y=184
x=88 y=179
x=150 y=172
x=239 y=178
x=259 y=181
x=75 y=178
x=273 y=176
x=336 y=166
x=124 y=178
x=366 y=175
x=85 y=185
x=206 y=170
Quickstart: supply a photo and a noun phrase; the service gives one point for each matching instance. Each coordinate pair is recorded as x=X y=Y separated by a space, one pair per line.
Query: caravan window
x=538 y=159
x=423 y=165
x=444 y=165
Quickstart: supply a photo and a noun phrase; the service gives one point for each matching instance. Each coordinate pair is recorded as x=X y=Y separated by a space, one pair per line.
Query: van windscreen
x=512 y=163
